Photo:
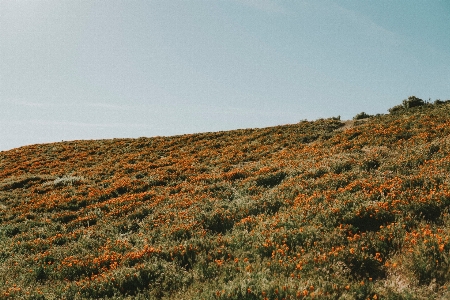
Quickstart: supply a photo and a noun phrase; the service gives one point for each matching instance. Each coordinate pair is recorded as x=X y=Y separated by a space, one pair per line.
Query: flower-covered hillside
x=309 y=210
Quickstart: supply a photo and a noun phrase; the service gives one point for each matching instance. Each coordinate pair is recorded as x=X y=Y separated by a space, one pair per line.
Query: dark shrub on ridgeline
x=361 y=116
x=411 y=102
x=395 y=109
x=439 y=102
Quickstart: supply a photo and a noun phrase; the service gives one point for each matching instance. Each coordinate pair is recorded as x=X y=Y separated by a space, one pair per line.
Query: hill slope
x=295 y=211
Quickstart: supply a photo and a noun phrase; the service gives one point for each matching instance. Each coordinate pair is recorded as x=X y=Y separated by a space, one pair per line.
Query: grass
x=308 y=210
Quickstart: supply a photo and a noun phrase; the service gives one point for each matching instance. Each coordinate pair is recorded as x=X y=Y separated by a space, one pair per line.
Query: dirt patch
x=351 y=123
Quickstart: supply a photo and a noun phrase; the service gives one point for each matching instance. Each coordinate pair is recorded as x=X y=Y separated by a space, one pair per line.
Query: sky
x=91 y=69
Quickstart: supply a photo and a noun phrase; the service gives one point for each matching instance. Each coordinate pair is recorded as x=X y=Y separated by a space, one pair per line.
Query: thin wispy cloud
x=111 y=106
x=40 y=104
x=367 y=23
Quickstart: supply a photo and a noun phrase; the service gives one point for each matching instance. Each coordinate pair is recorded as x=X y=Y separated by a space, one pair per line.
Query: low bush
x=361 y=116
x=412 y=101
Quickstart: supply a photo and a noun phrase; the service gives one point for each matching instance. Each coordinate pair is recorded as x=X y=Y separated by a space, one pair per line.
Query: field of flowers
x=309 y=210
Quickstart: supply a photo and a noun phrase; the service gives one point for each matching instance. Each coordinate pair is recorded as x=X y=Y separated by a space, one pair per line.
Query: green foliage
x=361 y=116
x=411 y=102
x=396 y=109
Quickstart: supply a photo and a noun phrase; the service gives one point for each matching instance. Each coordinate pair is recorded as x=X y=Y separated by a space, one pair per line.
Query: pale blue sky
x=102 y=69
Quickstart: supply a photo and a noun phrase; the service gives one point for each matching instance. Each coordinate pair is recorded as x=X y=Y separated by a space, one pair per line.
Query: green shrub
x=396 y=109
x=361 y=115
x=412 y=101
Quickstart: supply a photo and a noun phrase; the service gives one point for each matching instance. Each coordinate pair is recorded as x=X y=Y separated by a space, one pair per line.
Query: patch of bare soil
x=351 y=123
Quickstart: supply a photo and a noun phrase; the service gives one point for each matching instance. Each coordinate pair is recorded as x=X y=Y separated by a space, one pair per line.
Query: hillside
x=309 y=210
